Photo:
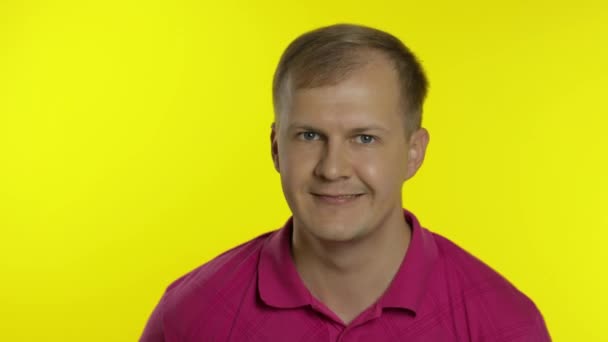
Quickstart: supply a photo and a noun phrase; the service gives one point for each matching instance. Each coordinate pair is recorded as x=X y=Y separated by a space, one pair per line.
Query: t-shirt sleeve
x=535 y=330
x=153 y=331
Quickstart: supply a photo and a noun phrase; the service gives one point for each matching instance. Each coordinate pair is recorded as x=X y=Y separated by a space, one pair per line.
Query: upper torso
x=253 y=293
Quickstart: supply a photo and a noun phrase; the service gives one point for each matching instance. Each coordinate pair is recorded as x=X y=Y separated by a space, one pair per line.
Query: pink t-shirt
x=253 y=293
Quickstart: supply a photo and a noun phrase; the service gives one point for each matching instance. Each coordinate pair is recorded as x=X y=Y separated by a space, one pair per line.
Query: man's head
x=348 y=104
x=328 y=55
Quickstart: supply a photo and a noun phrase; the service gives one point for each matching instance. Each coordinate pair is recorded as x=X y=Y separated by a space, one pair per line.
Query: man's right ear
x=274 y=147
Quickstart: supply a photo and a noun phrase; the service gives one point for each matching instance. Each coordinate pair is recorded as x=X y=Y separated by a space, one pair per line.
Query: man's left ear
x=416 y=151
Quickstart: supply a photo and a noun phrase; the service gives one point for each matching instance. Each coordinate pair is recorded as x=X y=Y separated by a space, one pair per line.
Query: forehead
x=369 y=94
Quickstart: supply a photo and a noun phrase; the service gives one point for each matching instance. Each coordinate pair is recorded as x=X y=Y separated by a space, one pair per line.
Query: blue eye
x=309 y=135
x=366 y=139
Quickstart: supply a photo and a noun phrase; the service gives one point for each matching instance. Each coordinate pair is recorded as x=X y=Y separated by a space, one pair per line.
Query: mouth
x=336 y=198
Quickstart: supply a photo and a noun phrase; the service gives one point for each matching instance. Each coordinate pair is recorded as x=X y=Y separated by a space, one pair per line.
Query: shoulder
x=222 y=266
x=215 y=282
x=190 y=300
x=216 y=272
x=492 y=307
x=463 y=267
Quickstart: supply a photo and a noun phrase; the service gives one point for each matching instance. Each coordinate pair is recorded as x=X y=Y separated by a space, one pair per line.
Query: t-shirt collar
x=280 y=286
x=408 y=287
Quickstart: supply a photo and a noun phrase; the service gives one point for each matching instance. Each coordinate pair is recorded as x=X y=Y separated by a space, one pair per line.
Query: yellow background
x=134 y=146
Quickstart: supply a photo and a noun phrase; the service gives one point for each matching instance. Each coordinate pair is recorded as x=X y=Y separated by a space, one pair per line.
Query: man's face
x=343 y=154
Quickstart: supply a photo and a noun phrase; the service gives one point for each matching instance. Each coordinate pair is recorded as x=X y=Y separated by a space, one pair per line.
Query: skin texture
x=348 y=139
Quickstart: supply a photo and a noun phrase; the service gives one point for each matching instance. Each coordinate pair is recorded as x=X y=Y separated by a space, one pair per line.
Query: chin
x=336 y=232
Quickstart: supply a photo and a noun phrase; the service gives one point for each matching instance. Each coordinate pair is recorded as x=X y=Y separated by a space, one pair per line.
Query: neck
x=349 y=276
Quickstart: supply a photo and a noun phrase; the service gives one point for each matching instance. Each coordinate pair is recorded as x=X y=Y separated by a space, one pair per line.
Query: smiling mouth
x=337 y=199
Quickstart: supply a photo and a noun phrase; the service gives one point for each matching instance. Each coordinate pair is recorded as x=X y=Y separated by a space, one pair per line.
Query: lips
x=337 y=198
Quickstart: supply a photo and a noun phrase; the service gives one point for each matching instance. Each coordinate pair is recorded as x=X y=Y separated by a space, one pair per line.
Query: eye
x=309 y=135
x=366 y=139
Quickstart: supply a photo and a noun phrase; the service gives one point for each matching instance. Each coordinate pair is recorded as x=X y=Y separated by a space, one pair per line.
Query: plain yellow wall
x=134 y=146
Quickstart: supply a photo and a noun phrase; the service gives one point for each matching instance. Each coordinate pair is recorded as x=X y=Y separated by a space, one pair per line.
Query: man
x=350 y=264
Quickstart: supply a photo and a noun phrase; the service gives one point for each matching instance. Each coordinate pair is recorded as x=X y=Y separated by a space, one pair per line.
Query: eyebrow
x=352 y=131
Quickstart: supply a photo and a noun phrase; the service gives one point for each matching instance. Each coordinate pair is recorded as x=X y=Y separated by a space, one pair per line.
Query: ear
x=274 y=147
x=416 y=151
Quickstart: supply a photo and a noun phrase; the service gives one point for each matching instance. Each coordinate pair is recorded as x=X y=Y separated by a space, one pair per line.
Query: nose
x=335 y=163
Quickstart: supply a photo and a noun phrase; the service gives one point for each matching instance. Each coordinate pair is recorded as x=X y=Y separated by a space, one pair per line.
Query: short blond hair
x=327 y=55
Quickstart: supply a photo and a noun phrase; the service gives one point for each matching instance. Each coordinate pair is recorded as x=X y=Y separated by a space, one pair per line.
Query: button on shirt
x=253 y=292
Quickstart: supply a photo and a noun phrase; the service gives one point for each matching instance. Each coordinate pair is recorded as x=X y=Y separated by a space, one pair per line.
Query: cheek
x=381 y=174
x=297 y=165
x=300 y=154
x=370 y=170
